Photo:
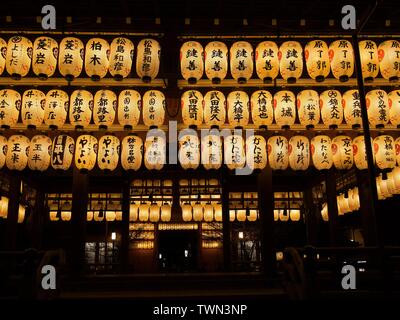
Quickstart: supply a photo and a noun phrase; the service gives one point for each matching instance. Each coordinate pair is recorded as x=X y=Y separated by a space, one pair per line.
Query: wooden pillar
x=10 y=242
x=311 y=218
x=330 y=181
x=125 y=227
x=38 y=217
x=226 y=224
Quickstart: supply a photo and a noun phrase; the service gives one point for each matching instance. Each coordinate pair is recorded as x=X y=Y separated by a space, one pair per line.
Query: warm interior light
x=113 y=236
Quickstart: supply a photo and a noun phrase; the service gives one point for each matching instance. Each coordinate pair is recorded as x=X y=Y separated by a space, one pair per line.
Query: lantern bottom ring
x=291 y=80
x=216 y=80
x=43 y=76
x=267 y=80
x=5 y=126
x=69 y=77
x=79 y=127
x=214 y=126
x=192 y=80
x=118 y=77
x=193 y=126
x=356 y=126
x=394 y=79
x=146 y=79
x=128 y=127
x=333 y=126
x=368 y=79
x=263 y=127
x=95 y=77
x=344 y=78
x=53 y=127
x=379 y=126
x=103 y=127
x=16 y=76
x=309 y=126
x=31 y=126
x=320 y=78
x=242 y=80
x=285 y=127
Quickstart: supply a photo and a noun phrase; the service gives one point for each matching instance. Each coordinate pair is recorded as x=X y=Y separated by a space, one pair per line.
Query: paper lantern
x=45 y=55
x=241 y=215
x=343 y=205
x=397 y=150
x=186 y=212
x=342 y=152
x=19 y=55
x=121 y=57
x=378 y=108
x=154 y=212
x=208 y=212
x=321 y=151
x=234 y=154
x=299 y=153
x=330 y=102
x=316 y=53
x=32 y=111
x=295 y=214
x=384 y=151
x=352 y=108
x=197 y=212
x=80 y=108
x=389 y=59
x=39 y=154
x=104 y=108
x=192 y=61
x=324 y=212
x=211 y=150
x=241 y=61
x=86 y=152
x=108 y=154
x=360 y=154
x=256 y=152
x=216 y=61
x=17 y=152
x=3 y=55
x=10 y=105
x=262 y=112
x=192 y=108
x=62 y=152
x=369 y=59
x=308 y=108
x=267 y=61
x=394 y=107
x=218 y=212
x=278 y=152
x=238 y=109
x=56 y=108
x=3 y=151
x=70 y=58
x=155 y=150
x=341 y=56
x=214 y=109
x=129 y=107
x=21 y=213
x=148 y=59
x=354 y=199
x=133 y=212
x=153 y=108
x=291 y=61
x=253 y=215
x=110 y=215
x=166 y=212
x=97 y=54
x=132 y=152
x=4 y=207
x=189 y=149
x=284 y=109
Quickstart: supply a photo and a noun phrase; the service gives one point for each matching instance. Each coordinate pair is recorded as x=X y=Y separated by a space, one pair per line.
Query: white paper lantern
x=394 y=107
x=186 y=212
x=389 y=59
x=267 y=61
x=62 y=152
x=378 y=108
x=321 y=151
x=148 y=59
x=216 y=61
x=144 y=209
x=308 y=108
x=214 y=109
x=384 y=151
x=108 y=154
x=341 y=56
x=316 y=53
x=342 y=152
x=238 y=109
x=56 y=108
x=19 y=56
x=17 y=152
x=284 y=108
x=132 y=152
x=354 y=199
x=70 y=59
x=299 y=153
x=360 y=154
x=129 y=107
x=369 y=59
x=133 y=212
x=3 y=151
x=192 y=105
x=189 y=149
x=39 y=155
x=211 y=150
x=97 y=54
x=45 y=55
x=197 y=212
x=154 y=212
x=121 y=57
x=4 y=207
x=10 y=105
x=80 y=108
x=291 y=61
x=192 y=61
x=32 y=111
x=155 y=150
x=3 y=55
x=166 y=211
x=330 y=102
x=234 y=154
x=256 y=152
x=262 y=112
x=153 y=108
x=218 y=212
x=241 y=61
x=352 y=108
x=104 y=108
x=86 y=152
x=278 y=152
x=208 y=212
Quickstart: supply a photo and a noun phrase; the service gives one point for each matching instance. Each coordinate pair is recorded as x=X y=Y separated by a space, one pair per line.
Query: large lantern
x=330 y=102
x=238 y=109
x=45 y=55
x=384 y=151
x=214 y=109
x=108 y=154
x=62 y=152
x=211 y=150
x=241 y=61
x=192 y=63
x=80 y=108
x=3 y=151
x=198 y=211
x=321 y=151
x=308 y=108
x=148 y=59
x=389 y=59
x=208 y=212
x=3 y=55
x=216 y=61
x=153 y=108
x=316 y=53
x=352 y=108
x=394 y=107
x=144 y=209
x=19 y=55
x=291 y=61
x=284 y=108
x=56 y=108
x=154 y=212
x=97 y=55
x=39 y=154
x=17 y=152
x=397 y=149
x=192 y=108
x=299 y=153
x=132 y=152
x=234 y=154
x=10 y=105
x=189 y=149
x=186 y=212
x=378 y=108
x=256 y=152
x=155 y=150
x=262 y=112
x=129 y=107
x=267 y=61
x=70 y=59
x=341 y=56
x=104 y=108
x=278 y=152
x=360 y=154
x=166 y=211
x=121 y=57
x=369 y=59
x=133 y=212
x=32 y=111
x=342 y=152
x=86 y=152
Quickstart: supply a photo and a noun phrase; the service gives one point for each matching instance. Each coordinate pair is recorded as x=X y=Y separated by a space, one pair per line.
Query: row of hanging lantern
x=97 y=57
x=150 y=211
x=201 y=211
x=287 y=59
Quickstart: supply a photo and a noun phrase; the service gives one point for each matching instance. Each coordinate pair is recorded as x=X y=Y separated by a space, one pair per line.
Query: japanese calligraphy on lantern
x=10 y=105
x=3 y=151
x=56 y=108
x=291 y=60
x=80 y=108
x=32 y=111
x=211 y=150
x=238 y=109
x=132 y=152
x=214 y=108
x=189 y=149
x=267 y=61
x=86 y=152
x=341 y=56
x=278 y=152
x=394 y=107
x=104 y=108
x=241 y=61
x=316 y=53
x=153 y=108
x=17 y=152
x=19 y=55
x=62 y=152
x=378 y=108
x=384 y=151
x=389 y=59
x=352 y=108
x=45 y=55
x=216 y=61
x=262 y=112
x=331 y=108
x=321 y=152
x=39 y=154
x=256 y=152
x=234 y=154
x=308 y=108
x=369 y=59
x=148 y=59
x=342 y=152
x=97 y=55
x=284 y=108
x=155 y=150
x=192 y=61
x=70 y=59
x=121 y=57
x=299 y=153
x=360 y=154
x=129 y=108
x=3 y=55
x=108 y=152
x=192 y=108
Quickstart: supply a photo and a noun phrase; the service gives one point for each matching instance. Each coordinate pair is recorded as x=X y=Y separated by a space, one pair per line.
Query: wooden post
x=12 y=216
x=37 y=221
x=330 y=181
x=125 y=227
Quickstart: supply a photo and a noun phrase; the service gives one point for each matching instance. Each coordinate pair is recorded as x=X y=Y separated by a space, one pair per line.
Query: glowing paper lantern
x=389 y=59
x=241 y=61
x=153 y=108
x=378 y=108
x=32 y=111
x=253 y=215
x=104 y=109
x=321 y=151
x=3 y=151
x=278 y=152
x=211 y=150
x=291 y=61
x=56 y=108
x=133 y=212
x=352 y=108
x=330 y=102
x=108 y=154
x=86 y=152
x=218 y=212
x=360 y=154
x=234 y=154
x=238 y=109
x=308 y=108
x=4 y=207
x=62 y=152
x=21 y=213
x=267 y=61
x=284 y=109
x=262 y=112
x=197 y=212
x=129 y=107
x=214 y=109
x=394 y=107
x=166 y=212
x=341 y=56
x=17 y=152
x=80 y=108
x=10 y=105
x=192 y=108
x=19 y=55
x=316 y=53
x=132 y=152
x=256 y=152
x=3 y=54
x=397 y=150
x=354 y=199
x=208 y=212
x=241 y=215
x=155 y=150
x=342 y=152
x=384 y=151
x=121 y=57
x=369 y=59
x=148 y=59
x=39 y=154
x=45 y=55
x=154 y=212
x=70 y=58
x=299 y=153
x=97 y=54
x=294 y=214
x=189 y=149
x=216 y=61
x=192 y=61
x=187 y=212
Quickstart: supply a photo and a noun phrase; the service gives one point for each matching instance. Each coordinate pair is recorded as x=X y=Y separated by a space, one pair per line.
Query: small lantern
x=155 y=150
x=341 y=56
x=284 y=109
x=97 y=55
x=384 y=151
x=80 y=108
x=316 y=53
x=197 y=211
x=86 y=152
x=241 y=215
x=394 y=107
x=342 y=152
x=39 y=155
x=17 y=152
x=133 y=212
x=104 y=108
x=148 y=59
x=299 y=153
x=378 y=108
x=238 y=109
x=154 y=212
x=308 y=108
x=360 y=154
x=62 y=152
x=256 y=152
x=397 y=150
x=3 y=55
x=192 y=63
x=389 y=59
x=19 y=56
x=369 y=59
x=278 y=152
x=352 y=108
x=214 y=109
x=45 y=55
x=121 y=57
x=324 y=212
x=166 y=212
x=321 y=151
x=153 y=108
x=234 y=154
x=3 y=151
x=262 y=112
x=216 y=61
x=189 y=149
x=132 y=152
x=192 y=108
x=32 y=111
x=10 y=105
x=208 y=212
x=56 y=108
x=330 y=102
x=21 y=213
x=129 y=107
x=108 y=154
x=4 y=207
x=110 y=215
x=241 y=62
x=291 y=61
x=267 y=61
x=144 y=209
x=70 y=59
x=211 y=150
x=187 y=212
x=253 y=215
